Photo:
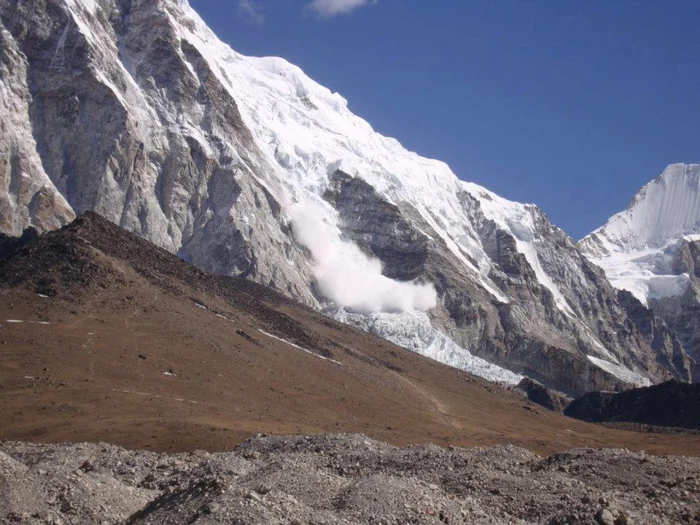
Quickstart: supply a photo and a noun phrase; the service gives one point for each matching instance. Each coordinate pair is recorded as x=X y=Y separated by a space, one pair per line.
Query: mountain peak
x=663 y=211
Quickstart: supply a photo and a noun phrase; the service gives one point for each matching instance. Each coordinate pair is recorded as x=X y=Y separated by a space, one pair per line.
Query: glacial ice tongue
x=412 y=330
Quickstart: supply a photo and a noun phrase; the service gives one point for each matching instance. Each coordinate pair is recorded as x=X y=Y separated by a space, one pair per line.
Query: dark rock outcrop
x=670 y=404
x=543 y=396
x=9 y=244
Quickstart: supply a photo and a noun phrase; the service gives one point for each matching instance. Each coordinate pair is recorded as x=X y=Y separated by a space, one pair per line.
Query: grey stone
x=604 y=517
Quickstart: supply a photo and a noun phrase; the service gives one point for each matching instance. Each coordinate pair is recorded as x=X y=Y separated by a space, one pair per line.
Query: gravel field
x=343 y=479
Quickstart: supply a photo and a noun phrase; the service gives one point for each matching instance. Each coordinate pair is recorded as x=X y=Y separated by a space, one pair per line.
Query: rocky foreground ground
x=343 y=479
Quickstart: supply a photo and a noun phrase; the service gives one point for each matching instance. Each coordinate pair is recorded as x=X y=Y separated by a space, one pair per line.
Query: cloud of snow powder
x=329 y=8
x=346 y=275
x=250 y=12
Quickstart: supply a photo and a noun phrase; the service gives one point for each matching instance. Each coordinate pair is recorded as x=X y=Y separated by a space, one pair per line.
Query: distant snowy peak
x=652 y=250
x=636 y=247
x=663 y=211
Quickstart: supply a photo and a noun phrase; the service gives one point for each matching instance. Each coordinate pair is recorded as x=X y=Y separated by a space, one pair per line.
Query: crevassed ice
x=413 y=331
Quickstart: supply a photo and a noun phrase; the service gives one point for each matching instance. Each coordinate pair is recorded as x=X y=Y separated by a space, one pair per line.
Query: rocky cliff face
x=242 y=166
x=116 y=113
x=682 y=312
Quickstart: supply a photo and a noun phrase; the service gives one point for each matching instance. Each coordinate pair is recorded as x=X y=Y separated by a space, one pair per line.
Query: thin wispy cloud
x=250 y=12
x=330 y=8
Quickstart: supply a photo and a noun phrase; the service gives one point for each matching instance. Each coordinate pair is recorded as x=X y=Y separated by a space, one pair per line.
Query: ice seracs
x=412 y=330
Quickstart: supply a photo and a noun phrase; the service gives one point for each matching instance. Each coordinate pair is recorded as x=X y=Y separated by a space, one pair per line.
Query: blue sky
x=572 y=105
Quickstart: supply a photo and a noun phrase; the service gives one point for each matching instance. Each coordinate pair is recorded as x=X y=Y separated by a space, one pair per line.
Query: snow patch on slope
x=620 y=372
x=299 y=347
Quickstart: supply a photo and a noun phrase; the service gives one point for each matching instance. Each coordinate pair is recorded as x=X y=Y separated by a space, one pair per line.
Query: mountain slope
x=105 y=337
x=245 y=166
x=652 y=250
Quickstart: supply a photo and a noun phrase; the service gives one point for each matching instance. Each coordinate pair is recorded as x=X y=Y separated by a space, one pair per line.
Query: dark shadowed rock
x=670 y=404
x=540 y=394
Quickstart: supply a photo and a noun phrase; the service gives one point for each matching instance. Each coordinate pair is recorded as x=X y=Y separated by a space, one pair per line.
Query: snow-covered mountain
x=245 y=166
x=636 y=246
x=652 y=250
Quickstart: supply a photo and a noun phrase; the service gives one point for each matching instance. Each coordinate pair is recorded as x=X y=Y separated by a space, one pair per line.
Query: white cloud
x=250 y=12
x=345 y=274
x=329 y=8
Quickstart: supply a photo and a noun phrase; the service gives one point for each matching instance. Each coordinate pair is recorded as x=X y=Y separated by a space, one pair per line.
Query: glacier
x=412 y=330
